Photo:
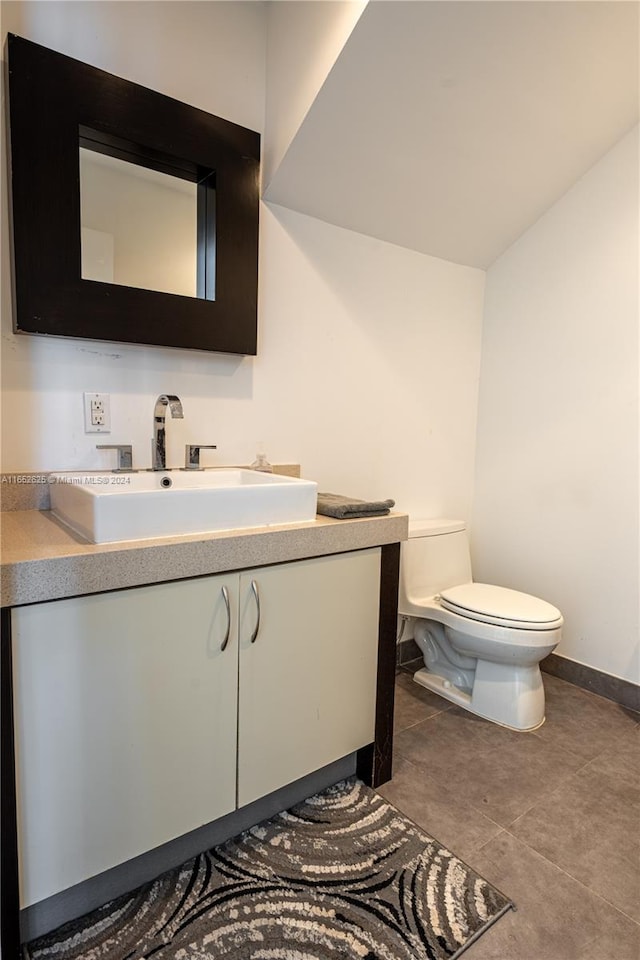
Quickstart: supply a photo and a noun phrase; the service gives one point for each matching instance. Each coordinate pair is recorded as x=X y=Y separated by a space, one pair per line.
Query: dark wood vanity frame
x=373 y=763
x=56 y=104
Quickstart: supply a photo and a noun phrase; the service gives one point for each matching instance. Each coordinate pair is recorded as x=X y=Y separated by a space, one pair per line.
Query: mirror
x=138 y=226
x=95 y=160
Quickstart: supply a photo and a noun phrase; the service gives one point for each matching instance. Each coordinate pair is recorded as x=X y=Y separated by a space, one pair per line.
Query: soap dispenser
x=261 y=463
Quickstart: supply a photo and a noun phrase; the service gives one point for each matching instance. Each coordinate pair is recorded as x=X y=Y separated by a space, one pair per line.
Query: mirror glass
x=139 y=226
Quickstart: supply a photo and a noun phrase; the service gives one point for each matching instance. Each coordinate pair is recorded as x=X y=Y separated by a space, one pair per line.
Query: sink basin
x=134 y=506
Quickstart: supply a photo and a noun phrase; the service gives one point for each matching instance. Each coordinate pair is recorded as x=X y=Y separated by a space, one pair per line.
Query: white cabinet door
x=308 y=682
x=126 y=711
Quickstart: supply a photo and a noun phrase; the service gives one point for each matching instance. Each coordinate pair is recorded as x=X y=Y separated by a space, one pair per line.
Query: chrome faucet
x=158 y=447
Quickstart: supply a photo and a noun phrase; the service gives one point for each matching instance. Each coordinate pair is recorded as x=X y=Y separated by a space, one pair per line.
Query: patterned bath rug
x=342 y=875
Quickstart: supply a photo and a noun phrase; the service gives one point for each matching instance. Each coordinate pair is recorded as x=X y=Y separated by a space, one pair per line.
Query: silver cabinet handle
x=225 y=597
x=254 y=588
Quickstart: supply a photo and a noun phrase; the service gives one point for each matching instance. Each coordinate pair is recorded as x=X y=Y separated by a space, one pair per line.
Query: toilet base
x=510 y=696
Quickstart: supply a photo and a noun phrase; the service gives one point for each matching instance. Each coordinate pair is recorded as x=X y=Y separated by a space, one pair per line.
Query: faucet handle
x=192 y=454
x=125 y=455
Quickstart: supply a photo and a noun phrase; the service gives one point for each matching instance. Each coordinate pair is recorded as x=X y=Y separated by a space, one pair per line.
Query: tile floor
x=552 y=818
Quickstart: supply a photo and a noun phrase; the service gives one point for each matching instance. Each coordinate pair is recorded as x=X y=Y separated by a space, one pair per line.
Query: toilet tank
x=435 y=556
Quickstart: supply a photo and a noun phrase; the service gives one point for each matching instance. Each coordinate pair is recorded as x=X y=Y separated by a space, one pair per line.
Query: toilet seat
x=501 y=606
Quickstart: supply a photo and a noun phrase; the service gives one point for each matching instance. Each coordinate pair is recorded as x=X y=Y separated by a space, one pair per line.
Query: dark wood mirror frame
x=53 y=101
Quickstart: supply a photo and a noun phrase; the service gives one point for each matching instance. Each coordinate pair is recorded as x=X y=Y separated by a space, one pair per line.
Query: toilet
x=482 y=645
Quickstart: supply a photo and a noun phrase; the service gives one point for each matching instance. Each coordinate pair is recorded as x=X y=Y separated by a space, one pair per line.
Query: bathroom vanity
x=164 y=686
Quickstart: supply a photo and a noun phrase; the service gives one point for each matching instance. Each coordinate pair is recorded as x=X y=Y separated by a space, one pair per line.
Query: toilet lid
x=510 y=608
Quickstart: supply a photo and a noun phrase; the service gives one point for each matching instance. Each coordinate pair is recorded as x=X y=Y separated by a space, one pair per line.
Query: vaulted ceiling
x=450 y=127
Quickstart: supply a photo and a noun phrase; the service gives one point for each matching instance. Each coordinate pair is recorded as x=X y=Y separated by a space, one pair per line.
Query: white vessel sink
x=134 y=506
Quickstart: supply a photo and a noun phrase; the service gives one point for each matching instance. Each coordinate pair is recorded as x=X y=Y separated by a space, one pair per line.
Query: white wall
x=359 y=341
x=556 y=488
x=303 y=43
x=357 y=337
x=185 y=49
x=189 y=51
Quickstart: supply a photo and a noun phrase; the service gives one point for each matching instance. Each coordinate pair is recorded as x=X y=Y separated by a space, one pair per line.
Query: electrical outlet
x=97 y=413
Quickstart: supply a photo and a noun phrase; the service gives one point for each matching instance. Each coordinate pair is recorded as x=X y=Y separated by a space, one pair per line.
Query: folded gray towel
x=344 y=508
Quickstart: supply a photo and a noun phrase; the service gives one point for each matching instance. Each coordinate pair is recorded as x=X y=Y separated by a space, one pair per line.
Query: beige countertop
x=44 y=560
